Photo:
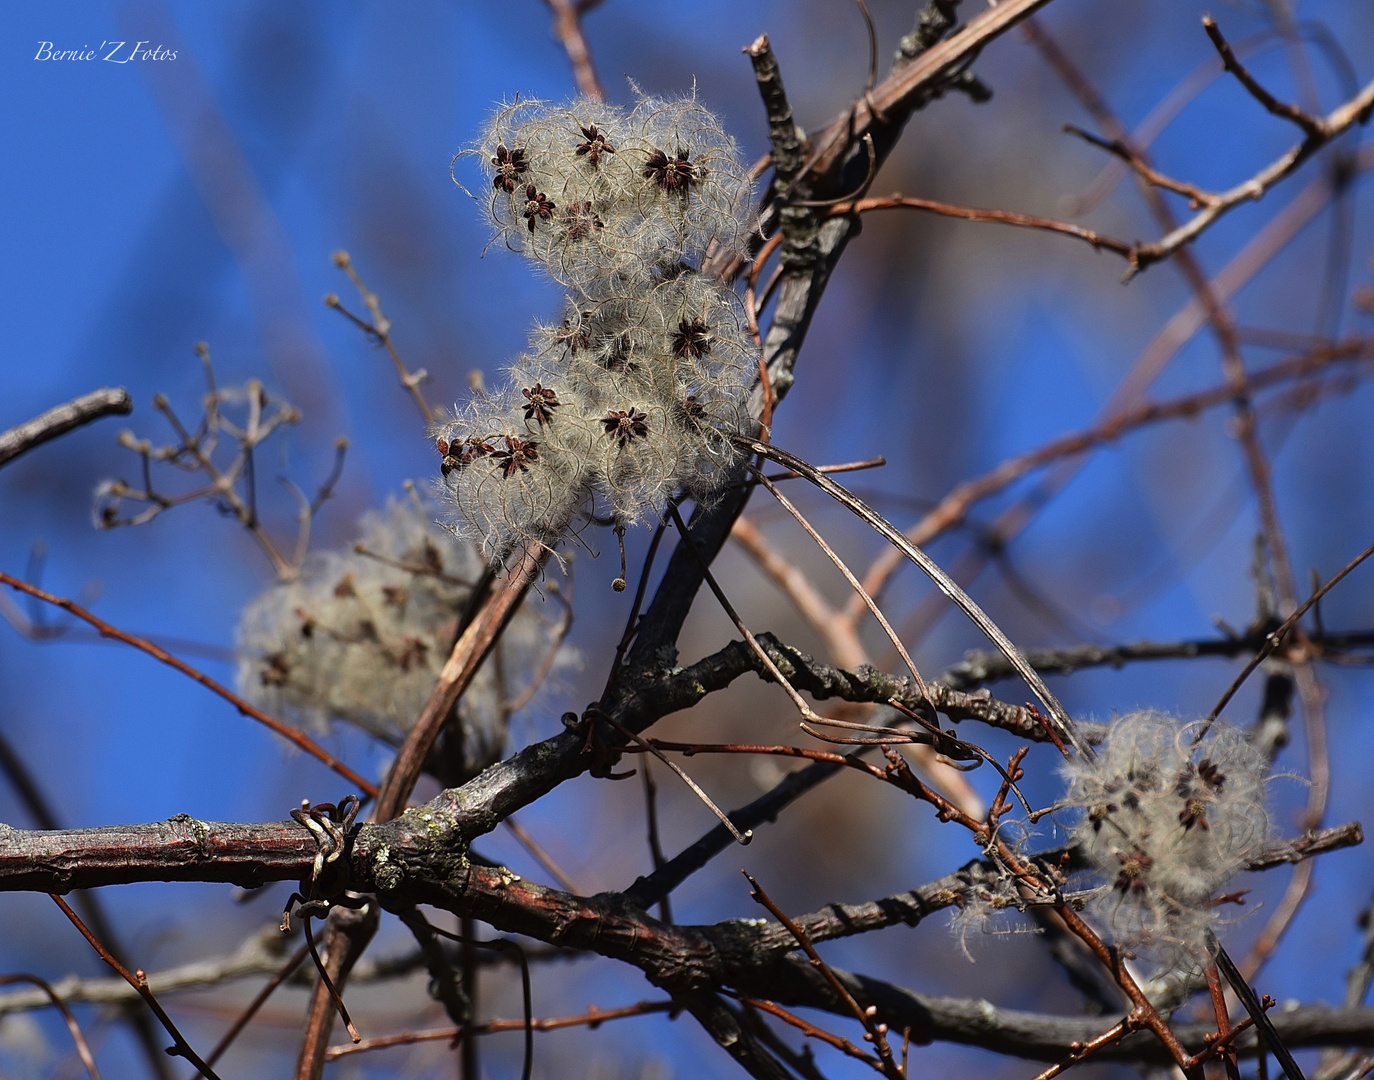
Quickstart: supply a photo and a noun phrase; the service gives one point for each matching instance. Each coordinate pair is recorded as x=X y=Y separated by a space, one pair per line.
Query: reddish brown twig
x=1119 y=148
x=954 y=507
x=811 y=1031
x=567 y=27
x=742 y=838
x=1217 y=993
x=285 y=731
x=897 y=201
x=83 y=1050
x=180 y=1047
x=1209 y=301
x=259 y=1000
x=592 y=1018
x=875 y=1032
x=1079 y=1051
x=541 y=856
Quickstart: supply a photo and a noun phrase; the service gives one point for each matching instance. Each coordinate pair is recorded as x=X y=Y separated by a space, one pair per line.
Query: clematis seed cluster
x=1166 y=820
x=361 y=634
x=633 y=393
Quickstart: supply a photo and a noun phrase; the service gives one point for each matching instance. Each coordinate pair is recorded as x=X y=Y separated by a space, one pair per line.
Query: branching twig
x=380 y=330
x=897 y=201
x=180 y=1047
x=943 y=581
x=954 y=507
x=875 y=1032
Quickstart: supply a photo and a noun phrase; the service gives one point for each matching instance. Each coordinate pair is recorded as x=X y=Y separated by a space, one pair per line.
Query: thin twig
x=897 y=201
x=875 y=1032
x=593 y=1017
x=40 y=809
x=380 y=328
x=1115 y=1033
x=802 y=707
x=508 y=948
x=541 y=856
x=954 y=507
x=83 y=1049
x=811 y=1031
x=259 y=1000
x=854 y=584
x=665 y=910
x=943 y=581
x=62 y=419
x=1256 y=1008
x=285 y=731
x=1273 y=640
x=567 y=27
x=1218 y=995
x=741 y=838
x=180 y=1047
x=1310 y=125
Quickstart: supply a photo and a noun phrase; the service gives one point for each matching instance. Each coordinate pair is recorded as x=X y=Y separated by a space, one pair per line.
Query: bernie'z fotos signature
x=116 y=52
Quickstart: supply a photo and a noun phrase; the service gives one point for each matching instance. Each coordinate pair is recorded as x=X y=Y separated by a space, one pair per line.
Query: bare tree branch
x=63 y=418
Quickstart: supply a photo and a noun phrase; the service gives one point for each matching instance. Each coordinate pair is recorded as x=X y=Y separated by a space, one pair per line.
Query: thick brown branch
x=420 y=858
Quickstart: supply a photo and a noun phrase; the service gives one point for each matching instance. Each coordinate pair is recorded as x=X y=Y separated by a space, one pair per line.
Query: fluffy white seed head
x=361 y=637
x=514 y=466
x=600 y=197
x=627 y=400
x=633 y=395
x=1165 y=825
